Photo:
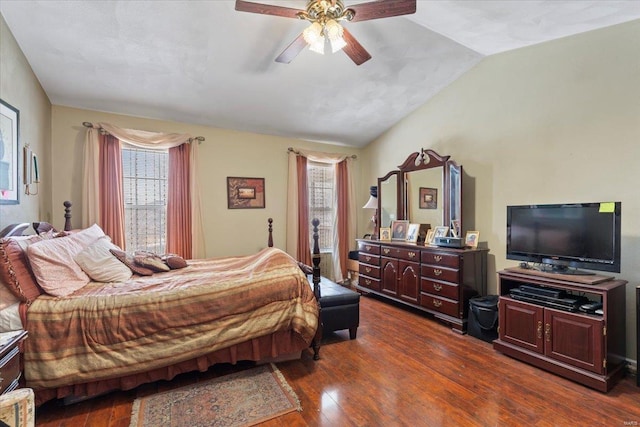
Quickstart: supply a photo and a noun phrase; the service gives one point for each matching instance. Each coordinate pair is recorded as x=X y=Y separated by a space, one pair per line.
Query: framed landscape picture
x=245 y=193
x=428 y=198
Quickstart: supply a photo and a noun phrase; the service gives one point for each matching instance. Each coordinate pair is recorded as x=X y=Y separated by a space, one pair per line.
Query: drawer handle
x=547 y=332
x=368 y=269
x=437 y=287
x=539 y=329
x=437 y=272
x=412 y=254
x=368 y=248
x=437 y=258
x=368 y=258
x=367 y=281
x=437 y=303
x=386 y=251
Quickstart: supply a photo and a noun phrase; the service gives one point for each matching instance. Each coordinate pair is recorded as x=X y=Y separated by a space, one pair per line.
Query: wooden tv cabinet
x=587 y=348
x=436 y=280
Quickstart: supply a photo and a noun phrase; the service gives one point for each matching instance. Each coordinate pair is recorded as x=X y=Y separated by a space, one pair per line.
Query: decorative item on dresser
x=545 y=322
x=439 y=281
x=436 y=280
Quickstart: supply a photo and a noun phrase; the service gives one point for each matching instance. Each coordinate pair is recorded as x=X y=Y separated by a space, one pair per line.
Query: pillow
x=10 y=318
x=153 y=262
x=97 y=261
x=174 y=261
x=7 y=297
x=306 y=269
x=15 y=273
x=53 y=265
x=127 y=260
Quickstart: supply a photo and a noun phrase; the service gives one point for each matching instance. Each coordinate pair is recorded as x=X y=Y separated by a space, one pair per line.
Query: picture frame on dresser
x=399 y=229
x=385 y=233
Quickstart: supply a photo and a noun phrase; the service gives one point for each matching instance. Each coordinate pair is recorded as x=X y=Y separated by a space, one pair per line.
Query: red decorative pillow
x=128 y=260
x=153 y=262
x=15 y=271
x=306 y=269
x=174 y=261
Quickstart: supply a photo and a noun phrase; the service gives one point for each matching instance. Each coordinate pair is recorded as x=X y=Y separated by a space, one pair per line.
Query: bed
x=108 y=335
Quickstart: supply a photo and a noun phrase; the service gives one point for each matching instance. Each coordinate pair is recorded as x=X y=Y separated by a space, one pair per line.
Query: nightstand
x=10 y=371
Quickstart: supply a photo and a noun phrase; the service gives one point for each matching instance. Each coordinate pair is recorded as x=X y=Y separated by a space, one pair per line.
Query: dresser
x=436 y=280
x=10 y=371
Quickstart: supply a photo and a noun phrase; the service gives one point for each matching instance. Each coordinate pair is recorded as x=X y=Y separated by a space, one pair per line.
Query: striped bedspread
x=108 y=330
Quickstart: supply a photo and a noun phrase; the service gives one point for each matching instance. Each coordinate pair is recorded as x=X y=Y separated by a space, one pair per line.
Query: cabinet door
x=575 y=339
x=521 y=324
x=409 y=286
x=389 y=275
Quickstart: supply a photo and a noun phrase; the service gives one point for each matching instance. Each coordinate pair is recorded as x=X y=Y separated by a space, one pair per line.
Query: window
x=145 y=175
x=322 y=204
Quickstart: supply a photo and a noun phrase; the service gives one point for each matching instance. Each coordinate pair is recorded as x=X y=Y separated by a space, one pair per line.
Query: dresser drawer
x=369 y=259
x=439 y=273
x=442 y=305
x=368 y=282
x=369 y=248
x=9 y=369
x=370 y=270
x=445 y=260
x=441 y=289
x=401 y=253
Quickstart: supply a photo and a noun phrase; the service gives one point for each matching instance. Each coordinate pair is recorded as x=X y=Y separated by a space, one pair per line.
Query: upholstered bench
x=340 y=307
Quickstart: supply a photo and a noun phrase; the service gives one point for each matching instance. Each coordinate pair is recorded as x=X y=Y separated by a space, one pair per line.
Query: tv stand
x=587 y=348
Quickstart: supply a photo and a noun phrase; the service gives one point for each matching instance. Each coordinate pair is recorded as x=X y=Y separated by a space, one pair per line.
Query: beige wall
x=20 y=89
x=556 y=122
x=224 y=153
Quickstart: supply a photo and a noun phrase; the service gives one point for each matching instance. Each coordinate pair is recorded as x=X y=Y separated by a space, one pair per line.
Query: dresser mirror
x=426 y=189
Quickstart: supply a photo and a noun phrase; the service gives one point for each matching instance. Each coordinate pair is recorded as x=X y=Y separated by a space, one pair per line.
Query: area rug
x=243 y=398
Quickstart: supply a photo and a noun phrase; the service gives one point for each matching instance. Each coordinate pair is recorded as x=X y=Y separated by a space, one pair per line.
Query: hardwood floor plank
x=403 y=369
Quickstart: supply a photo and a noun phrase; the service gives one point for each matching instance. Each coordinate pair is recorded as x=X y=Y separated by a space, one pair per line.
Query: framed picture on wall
x=245 y=193
x=428 y=198
x=9 y=164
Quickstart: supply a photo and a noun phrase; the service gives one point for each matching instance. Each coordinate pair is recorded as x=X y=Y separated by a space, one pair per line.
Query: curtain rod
x=90 y=125
x=353 y=156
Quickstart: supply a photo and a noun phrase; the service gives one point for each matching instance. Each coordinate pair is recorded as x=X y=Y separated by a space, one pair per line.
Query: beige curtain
x=344 y=228
x=148 y=140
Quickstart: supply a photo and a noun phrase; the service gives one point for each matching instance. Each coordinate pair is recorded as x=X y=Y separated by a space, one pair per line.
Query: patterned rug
x=244 y=398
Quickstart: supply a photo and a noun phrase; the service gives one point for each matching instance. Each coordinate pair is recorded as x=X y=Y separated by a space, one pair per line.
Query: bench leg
x=353 y=332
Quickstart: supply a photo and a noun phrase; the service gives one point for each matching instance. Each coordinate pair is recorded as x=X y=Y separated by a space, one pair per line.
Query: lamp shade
x=372 y=203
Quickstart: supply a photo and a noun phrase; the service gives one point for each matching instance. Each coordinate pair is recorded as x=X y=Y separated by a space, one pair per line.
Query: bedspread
x=107 y=330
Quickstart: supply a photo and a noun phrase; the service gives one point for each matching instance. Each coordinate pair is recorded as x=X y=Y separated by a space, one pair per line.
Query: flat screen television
x=565 y=237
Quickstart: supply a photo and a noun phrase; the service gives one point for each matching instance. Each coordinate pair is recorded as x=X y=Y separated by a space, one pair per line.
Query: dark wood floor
x=403 y=369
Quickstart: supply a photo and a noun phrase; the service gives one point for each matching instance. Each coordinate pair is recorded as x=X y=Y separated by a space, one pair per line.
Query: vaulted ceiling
x=202 y=62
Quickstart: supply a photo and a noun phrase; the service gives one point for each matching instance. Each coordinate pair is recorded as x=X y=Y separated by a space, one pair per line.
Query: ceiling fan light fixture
x=313 y=33
x=334 y=33
x=318 y=45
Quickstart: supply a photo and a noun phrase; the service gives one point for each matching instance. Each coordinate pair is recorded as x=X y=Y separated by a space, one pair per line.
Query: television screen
x=580 y=235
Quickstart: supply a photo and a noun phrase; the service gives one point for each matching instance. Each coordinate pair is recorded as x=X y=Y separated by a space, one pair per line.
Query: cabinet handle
x=386 y=251
x=412 y=254
x=547 y=332
x=368 y=247
x=367 y=281
x=437 y=303
x=368 y=258
x=437 y=287
x=539 y=329
x=368 y=269
x=437 y=272
x=437 y=258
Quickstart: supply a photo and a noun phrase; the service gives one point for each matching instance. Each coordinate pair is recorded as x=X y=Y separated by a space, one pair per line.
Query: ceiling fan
x=325 y=29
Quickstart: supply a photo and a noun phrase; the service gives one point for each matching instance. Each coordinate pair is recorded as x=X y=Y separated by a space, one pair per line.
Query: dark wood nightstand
x=10 y=371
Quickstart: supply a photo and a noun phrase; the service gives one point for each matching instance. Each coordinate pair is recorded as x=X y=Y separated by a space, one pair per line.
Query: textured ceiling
x=202 y=62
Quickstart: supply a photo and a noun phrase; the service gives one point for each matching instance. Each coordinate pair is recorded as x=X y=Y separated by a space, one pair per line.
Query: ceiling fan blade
x=354 y=49
x=292 y=50
x=266 y=9
x=382 y=9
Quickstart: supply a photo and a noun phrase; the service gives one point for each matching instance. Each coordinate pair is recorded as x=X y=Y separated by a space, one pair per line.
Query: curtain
x=111 y=191
x=297 y=207
x=179 y=202
x=92 y=211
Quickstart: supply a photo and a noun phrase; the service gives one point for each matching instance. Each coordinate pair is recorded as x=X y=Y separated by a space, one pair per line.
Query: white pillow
x=53 y=265
x=7 y=297
x=10 y=318
x=100 y=264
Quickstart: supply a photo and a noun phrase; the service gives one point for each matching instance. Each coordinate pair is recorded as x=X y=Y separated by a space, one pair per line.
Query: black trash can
x=483 y=318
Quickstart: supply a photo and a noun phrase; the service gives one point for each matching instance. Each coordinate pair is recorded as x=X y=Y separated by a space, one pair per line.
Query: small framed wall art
x=245 y=193
x=9 y=163
x=428 y=198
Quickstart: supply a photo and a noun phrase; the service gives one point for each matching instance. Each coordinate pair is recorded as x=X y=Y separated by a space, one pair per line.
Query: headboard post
x=270 y=241
x=316 y=288
x=67 y=215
